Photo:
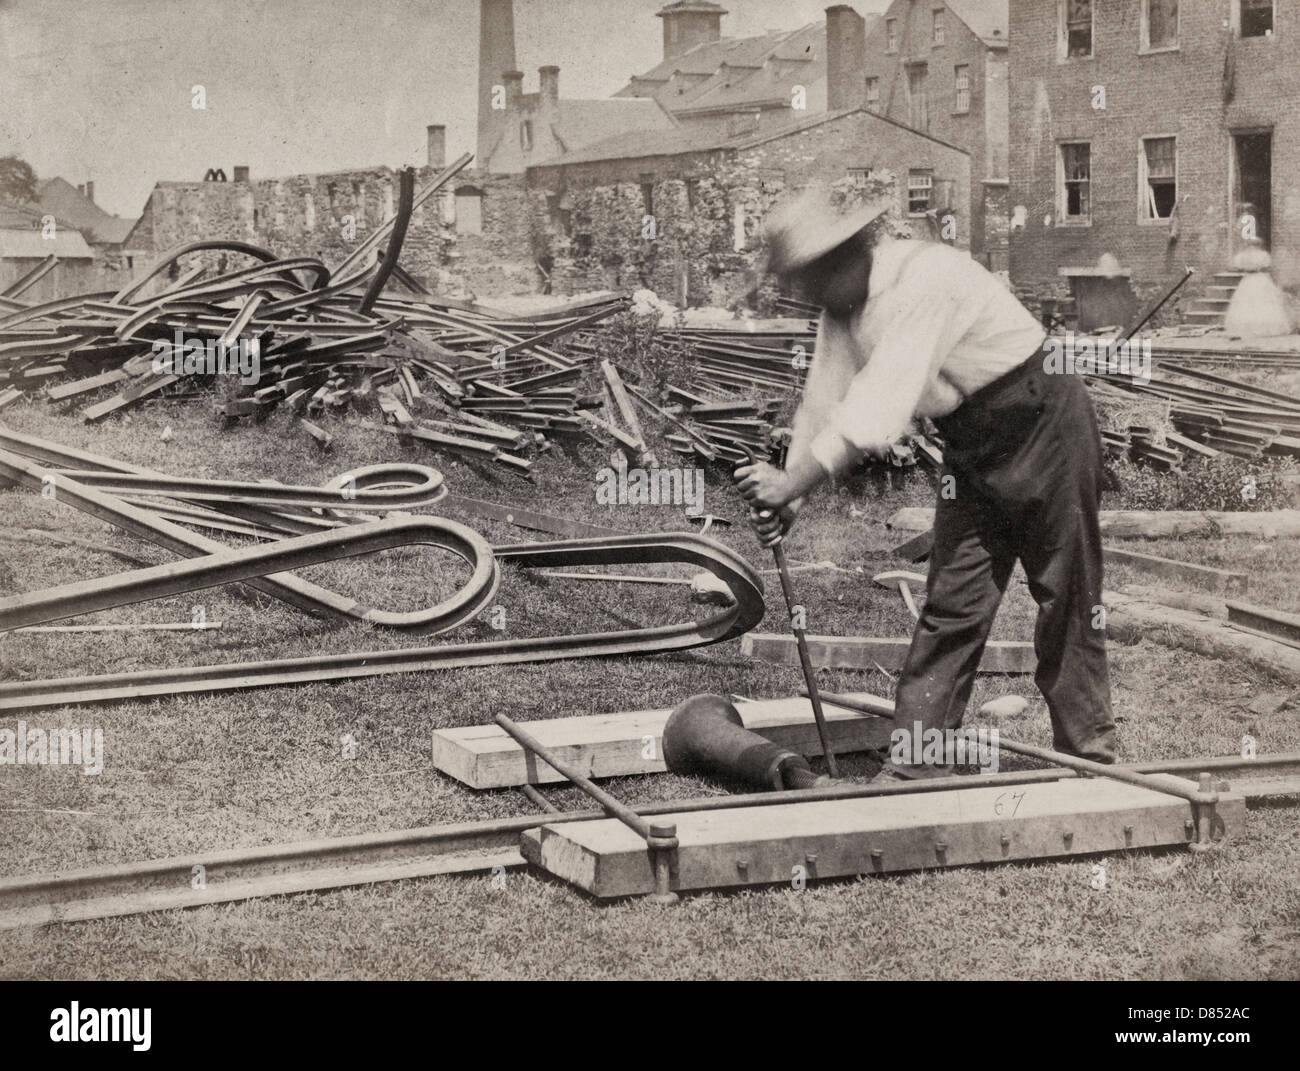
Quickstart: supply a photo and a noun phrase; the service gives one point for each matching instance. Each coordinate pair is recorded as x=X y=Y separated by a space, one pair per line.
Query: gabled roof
x=986 y=19
x=785 y=59
x=582 y=122
x=65 y=202
x=707 y=58
x=634 y=144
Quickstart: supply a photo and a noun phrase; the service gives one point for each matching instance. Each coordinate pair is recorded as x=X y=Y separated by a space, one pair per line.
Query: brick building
x=942 y=69
x=1162 y=133
x=739 y=85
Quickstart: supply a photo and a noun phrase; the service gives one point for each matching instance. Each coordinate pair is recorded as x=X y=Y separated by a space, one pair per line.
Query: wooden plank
x=882 y=834
x=916 y=549
x=614 y=745
x=1203 y=576
x=865 y=652
x=1128 y=616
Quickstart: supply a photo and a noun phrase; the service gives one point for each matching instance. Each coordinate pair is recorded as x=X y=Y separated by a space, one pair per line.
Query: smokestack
x=90 y=191
x=496 y=53
x=549 y=81
x=81 y=188
x=241 y=172
x=436 y=140
x=688 y=23
x=846 y=58
x=514 y=81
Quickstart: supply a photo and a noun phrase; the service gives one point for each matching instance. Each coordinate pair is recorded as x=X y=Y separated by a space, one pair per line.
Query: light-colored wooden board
x=882 y=834
x=866 y=652
x=631 y=742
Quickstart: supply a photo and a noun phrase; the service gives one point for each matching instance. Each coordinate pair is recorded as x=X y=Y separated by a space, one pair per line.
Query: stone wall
x=326 y=216
x=689 y=226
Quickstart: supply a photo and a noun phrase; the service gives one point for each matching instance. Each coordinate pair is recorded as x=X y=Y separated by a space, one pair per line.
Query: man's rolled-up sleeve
x=920 y=329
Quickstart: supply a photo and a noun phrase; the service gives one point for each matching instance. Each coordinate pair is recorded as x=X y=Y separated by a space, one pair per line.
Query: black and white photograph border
x=650 y=490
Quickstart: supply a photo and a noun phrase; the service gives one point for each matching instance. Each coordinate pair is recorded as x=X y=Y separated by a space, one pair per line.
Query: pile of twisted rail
x=294 y=527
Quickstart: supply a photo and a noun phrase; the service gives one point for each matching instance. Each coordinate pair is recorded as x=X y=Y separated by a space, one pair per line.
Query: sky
x=103 y=89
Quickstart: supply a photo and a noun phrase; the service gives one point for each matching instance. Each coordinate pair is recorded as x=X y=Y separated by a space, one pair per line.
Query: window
x=526 y=135
x=1159 y=24
x=936 y=35
x=920 y=185
x=918 y=112
x=1075 y=32
x=891 y=35
x=469 y=211
x=859 y=176
x=1074 y=177
x=1255 y=18
x=873 y=91
x=961 y=78
x=1157 y=178
x=648 y=195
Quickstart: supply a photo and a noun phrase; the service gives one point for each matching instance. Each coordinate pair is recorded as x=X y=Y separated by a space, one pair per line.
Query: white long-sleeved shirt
x=935 y=328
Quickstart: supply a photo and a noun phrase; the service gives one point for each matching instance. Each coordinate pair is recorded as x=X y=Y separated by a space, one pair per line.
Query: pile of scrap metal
x=1213 y=414
x=462 y=378
x=479 y=383
x=300 y=526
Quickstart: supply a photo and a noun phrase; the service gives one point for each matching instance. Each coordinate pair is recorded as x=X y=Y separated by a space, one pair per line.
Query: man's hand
x=770 y=526
x=765 y=486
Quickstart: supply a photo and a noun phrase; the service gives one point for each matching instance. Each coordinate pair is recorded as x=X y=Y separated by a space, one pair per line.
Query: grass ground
x=204 y=772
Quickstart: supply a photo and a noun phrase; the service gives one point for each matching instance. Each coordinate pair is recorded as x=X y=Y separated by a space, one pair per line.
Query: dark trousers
x=1021 y=479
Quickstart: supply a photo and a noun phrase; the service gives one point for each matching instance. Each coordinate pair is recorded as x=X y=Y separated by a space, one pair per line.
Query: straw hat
x=808 y=226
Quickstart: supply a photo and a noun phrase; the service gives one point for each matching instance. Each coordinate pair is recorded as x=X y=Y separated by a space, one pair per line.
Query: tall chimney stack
x=688 y=23
x=846 y=58
x=436 y=140
x=548 y=80
x=496 y=55
x=90 y=190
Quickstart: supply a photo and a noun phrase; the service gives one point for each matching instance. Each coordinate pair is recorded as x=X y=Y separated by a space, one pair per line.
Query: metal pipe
x=533 y=796
x=800 y=641
x=660 y=837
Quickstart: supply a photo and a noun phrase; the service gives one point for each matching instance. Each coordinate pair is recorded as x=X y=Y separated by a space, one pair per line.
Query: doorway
x=1252 y=194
